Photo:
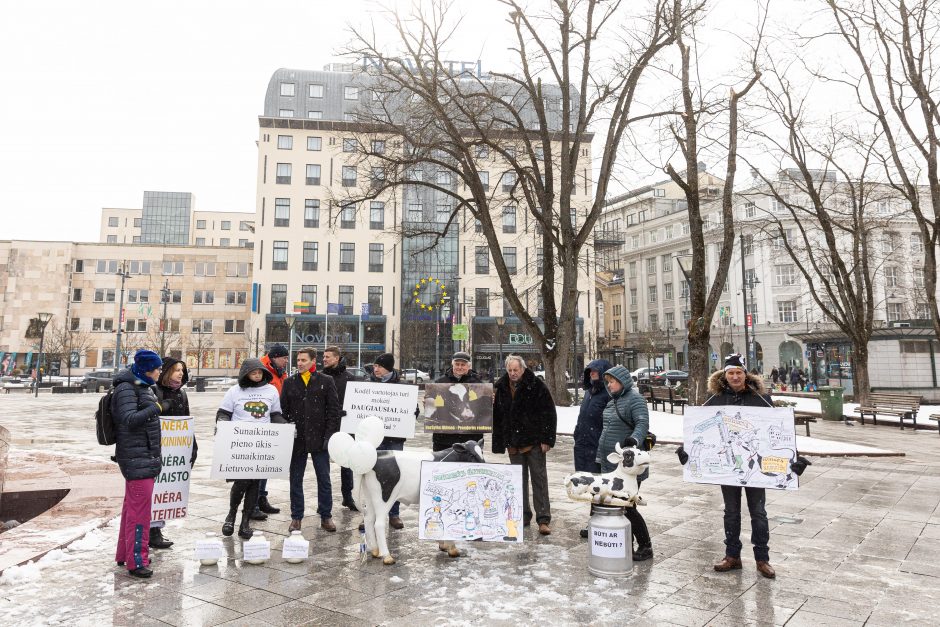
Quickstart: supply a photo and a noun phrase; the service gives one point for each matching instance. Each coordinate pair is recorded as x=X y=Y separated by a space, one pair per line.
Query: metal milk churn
x=610 y=543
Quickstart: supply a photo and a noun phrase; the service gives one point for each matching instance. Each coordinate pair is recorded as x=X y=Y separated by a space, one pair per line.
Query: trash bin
x=200 y=384
x=830 y=401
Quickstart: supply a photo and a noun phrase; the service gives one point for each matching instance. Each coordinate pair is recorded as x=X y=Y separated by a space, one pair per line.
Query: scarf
x=141 y=375
x=173 y=385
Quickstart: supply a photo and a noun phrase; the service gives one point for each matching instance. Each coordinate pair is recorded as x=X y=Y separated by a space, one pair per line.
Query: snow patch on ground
x=395 y=579
x=32 y=571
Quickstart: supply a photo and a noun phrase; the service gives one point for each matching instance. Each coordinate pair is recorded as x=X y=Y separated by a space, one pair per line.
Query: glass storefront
x=491 y=344
x=342 y=331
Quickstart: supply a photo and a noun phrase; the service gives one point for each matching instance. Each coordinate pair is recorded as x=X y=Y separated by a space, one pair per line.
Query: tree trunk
x=699 y=368
x=860 y=378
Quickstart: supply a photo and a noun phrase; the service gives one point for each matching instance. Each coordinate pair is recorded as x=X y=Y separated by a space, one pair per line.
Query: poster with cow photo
x=458 y=407
x=740 y=446
x=461 y=501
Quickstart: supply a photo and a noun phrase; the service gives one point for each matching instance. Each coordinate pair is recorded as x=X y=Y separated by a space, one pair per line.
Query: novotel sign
x=455 y=68
x=319 y=338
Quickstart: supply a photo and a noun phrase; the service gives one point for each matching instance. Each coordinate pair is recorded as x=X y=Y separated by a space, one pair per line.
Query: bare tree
x=61 y=343
x=896 y=46
x=536 y=123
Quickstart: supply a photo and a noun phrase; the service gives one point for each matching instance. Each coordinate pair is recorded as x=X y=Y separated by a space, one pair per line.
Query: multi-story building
x=314 y=246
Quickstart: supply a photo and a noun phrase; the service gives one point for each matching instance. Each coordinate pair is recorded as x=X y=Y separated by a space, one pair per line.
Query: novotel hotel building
x=356 y=274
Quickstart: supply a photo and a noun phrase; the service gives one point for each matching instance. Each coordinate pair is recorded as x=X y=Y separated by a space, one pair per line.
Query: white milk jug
x=296 y=548
x=210 y=550
x=257 y=550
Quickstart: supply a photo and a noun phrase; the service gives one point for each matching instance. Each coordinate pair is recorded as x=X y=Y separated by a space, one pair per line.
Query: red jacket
x=277 y=380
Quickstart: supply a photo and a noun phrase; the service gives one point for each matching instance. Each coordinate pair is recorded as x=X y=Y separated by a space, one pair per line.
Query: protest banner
x=740 y=446
x=461 y=501
x=458 y=407
x=395 y=404
x=244 y=450
x=171 y=487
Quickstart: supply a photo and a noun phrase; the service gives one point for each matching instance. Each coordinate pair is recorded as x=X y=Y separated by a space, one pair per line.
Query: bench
x=804 y=418
x=937 y=418
x=904 y=406
x=661 y=395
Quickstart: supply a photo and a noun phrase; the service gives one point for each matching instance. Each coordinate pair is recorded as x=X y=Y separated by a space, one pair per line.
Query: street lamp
x=290 y=319
x=44 y=319
x=500 y=321
x=165 y=298
x=443 y=310
x=124 y=274
x=749 y=321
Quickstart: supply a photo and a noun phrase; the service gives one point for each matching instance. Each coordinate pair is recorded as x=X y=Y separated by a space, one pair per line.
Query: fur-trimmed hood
x=718 y=384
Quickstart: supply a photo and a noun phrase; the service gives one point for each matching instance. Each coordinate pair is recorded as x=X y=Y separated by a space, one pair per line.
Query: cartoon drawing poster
x=461 y=501
x=743 y=446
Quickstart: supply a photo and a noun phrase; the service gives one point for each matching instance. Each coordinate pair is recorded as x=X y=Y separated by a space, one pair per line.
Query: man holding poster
x=733 y=387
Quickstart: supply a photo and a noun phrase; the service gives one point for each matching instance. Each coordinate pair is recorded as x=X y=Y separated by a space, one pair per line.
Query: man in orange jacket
x=276 y=363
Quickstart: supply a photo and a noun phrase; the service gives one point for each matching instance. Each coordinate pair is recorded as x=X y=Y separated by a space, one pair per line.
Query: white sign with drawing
x=741 y=446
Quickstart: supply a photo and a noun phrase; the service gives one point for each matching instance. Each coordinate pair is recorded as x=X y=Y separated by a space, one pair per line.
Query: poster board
x=171 y=487
x=394 y=403
x=740 y=446
x=463 y=501
x=458 y=407
x=245 y=450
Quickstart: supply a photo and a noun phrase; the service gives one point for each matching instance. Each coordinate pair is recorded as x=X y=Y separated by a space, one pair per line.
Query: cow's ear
x=615 y=458
x=480 y=443
x=460 y=447
x=618 y=448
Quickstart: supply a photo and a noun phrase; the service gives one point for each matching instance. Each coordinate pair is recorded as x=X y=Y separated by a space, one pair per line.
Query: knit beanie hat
x=278 y=350
x=735 y=360
x=144 y=362
x=386 y=360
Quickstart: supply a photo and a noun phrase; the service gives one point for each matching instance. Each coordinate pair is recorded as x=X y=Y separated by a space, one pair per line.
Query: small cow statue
x=618 y=487
x=396 y=476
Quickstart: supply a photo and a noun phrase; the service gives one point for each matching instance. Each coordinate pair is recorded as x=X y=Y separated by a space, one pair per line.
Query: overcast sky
x=104 y=99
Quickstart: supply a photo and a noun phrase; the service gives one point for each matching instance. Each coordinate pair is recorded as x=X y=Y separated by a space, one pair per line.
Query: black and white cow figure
x=618 y=487
x=396 y=476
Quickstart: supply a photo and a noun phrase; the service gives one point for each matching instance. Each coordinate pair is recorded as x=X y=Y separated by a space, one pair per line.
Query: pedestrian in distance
x=383 y=371
x=170 y=391
x=276 y=362
x=254 y=400
x=136 y=415
x=524 y=424
x=308 y=399
x=459 y=372
x=334 y=365
x=626 y=421
x=587 y=432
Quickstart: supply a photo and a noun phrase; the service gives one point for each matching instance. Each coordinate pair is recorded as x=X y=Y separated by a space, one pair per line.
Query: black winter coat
x=526 y=419
x=137 y=427
x=313 y=407
x=590 y=425
x=341 y=377
x=442 y=441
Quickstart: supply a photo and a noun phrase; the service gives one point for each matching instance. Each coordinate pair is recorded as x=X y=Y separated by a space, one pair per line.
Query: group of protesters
x=524 y=426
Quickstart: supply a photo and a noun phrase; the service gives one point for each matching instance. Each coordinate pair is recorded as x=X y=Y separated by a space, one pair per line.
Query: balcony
x=608 y=237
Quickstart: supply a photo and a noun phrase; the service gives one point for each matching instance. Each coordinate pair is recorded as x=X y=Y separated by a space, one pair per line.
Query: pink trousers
x=134 y=535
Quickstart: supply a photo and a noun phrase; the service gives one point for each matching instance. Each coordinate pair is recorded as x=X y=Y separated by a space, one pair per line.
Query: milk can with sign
x=257 y=550
x=210 y=550
x=610 y=544
x=295 y=548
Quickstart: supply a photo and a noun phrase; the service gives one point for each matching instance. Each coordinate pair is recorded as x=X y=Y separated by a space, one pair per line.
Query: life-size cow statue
x=618 y=487
x=396 y=476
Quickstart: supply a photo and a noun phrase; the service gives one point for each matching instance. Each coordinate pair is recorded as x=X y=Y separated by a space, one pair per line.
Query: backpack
x=104 y=422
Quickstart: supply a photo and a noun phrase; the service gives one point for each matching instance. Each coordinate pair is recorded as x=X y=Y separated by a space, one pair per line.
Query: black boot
x=234 y=500
x=244 y=529
x=350 y=504
x=643 y=552
x=157 y=541
x=228 y=527
x=265 y=506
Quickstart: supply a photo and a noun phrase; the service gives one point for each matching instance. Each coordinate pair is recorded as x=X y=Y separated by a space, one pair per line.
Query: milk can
x=210 y=550
x=257 y=550
x=295 y=548
x=610 y=544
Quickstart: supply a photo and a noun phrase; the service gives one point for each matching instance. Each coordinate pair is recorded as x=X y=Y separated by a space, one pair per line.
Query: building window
x=748 y=246
x=375 y=300
x=282 y=212
x=891 y=277
x=285 y=142
x=444 y=211
x=314 y=90
x=895 y=311
x=308 y=294
x=347 y=216
x=509 y=181
x=314 y=115
x=234 y=326
x=201 y=326
x=349 y=144
x=378 y=146
x=485 y=180
x=377 y=215
x=283 y=174
x=311 y=213
x=285 y=113
x=376 y=257
x=311 y=255
x=653 y=321
x=509 y=218
x=279 y=261
x=113 y=221
x=651 y=294
x=633 y=296
x=77 y=295
x=237 y=269
x=786 y=311
x=138 y=296
x=200 y=224
x=79 y=265
x=233 y=297
x=917 y=244
x=669 y=320
x=415 y=212
x=314 y=143
x=225 y=241
x=922 y=311
x=750 y=209
x=785 y=275
x=203 y=297
x=112 y=239
x=509 y=256
x=287 y=89
x=482 y=260
x=176 y=296
x=104 y=295
x=667 y=263
x=349 y=176
x=350 y=93
x=347 y=257
x=667 y=291
x=278 y=298
x=313 y=174
x=481 y=301
x=226 y=225
x=539 y=261
x=346 y=298
x=74 y=324
x=477 y=226
x=651 y=265
x=919 y=277
x=632 y=267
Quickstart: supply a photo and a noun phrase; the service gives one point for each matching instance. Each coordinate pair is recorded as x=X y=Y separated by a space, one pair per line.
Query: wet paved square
x=857 y=544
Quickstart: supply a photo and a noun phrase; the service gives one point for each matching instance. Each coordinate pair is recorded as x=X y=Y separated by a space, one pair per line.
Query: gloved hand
x=342 y=413
x=629 y=442
x=682 y=455
x=800 y=465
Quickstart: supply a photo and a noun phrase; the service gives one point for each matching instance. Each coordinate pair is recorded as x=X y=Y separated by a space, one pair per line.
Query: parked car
x=643 y=374
x=100 y=377
x=413 y=375
x=359 y=374
x=541 y=375
x=670 y=377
